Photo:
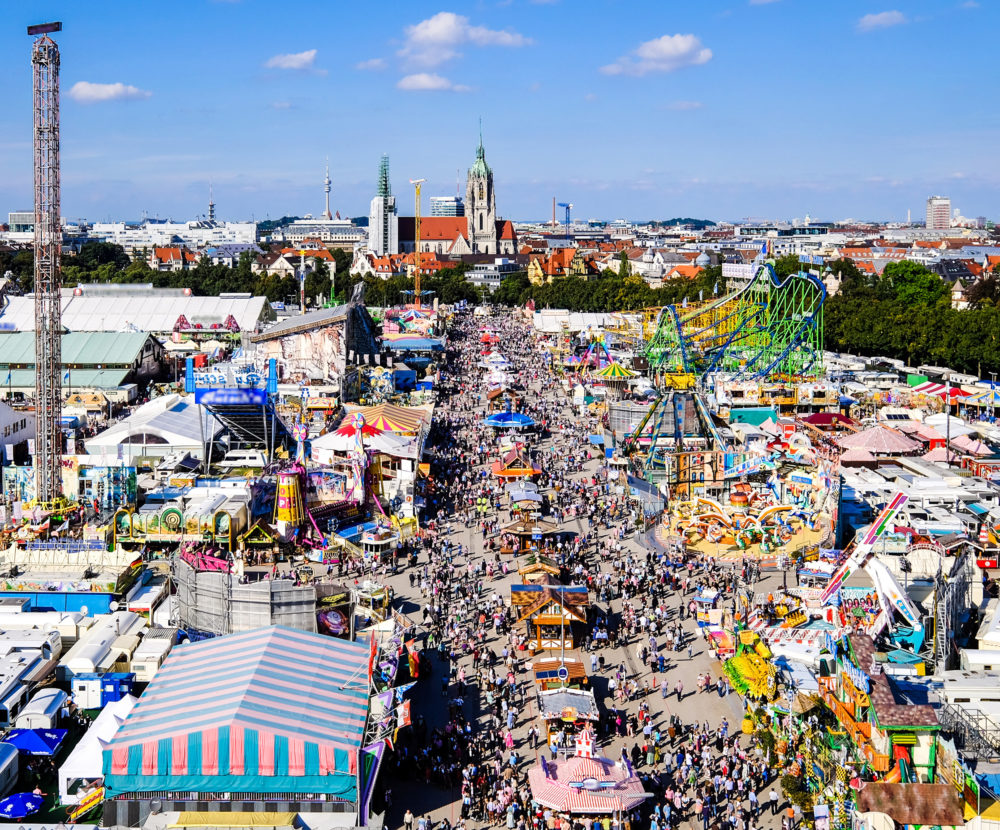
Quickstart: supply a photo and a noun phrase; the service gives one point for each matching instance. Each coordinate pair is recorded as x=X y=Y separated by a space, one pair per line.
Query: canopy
x=879 y=440
x=378 y=441
x=216 y=819
x=972 y=445
x=19 y=805
x=828 y=419
x=84 y=762
x=525 y=495
x=856 y=455
x=939 y=390
x=349 y=428
x=510 y=420
x=513 y=486
x=614 y=371
x=601 y=786
x=391 y=418
x=939 y=454
x=270 y=710
x=945 y=423
x=36 y=741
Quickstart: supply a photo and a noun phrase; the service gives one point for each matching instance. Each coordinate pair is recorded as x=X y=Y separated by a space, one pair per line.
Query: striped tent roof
x=564 y=785
x=391 y=418
x=615 y=371
x=939 y=390
x=273 y=709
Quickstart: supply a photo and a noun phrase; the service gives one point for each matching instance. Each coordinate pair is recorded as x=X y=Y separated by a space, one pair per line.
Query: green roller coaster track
x=770 y=327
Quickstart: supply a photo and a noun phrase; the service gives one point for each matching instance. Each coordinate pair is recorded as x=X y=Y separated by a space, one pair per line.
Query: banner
x=371 y=656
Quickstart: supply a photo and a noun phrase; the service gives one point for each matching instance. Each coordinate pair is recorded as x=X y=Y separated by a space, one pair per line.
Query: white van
x=242 y=458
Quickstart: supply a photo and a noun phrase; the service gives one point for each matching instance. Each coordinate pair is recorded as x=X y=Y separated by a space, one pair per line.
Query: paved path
x=442 y=803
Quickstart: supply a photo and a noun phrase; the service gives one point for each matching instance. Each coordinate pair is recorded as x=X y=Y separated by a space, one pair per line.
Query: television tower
x=48 y=282
x=326 y=189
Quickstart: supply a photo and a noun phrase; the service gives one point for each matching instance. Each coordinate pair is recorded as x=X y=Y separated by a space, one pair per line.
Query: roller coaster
x=770 y=327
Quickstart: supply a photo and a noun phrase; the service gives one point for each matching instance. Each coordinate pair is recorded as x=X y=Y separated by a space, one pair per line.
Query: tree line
x=904 y=313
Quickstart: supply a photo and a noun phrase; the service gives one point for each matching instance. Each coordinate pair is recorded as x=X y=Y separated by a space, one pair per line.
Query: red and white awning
x=939 y=390
x=585 y=785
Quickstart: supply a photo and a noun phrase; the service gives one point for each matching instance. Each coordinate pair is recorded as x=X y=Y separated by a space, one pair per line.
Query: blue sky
x=627 y=108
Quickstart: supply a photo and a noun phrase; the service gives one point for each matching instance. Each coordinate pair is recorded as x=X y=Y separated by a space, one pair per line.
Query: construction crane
x=416 y=242
x=48 y=239
x=568 y=207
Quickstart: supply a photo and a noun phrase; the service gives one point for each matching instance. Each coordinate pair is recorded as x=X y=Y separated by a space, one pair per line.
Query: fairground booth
x=555 y=615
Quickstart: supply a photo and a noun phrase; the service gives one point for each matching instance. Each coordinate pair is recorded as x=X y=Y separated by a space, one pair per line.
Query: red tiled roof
x=169 y=254
x=687 y=271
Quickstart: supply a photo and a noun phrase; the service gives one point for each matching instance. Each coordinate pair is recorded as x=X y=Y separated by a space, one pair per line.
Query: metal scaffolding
x=48 y=240
x=770 y=328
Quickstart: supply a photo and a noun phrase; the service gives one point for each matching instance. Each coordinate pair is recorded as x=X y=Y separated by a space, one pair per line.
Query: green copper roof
x=479 y=166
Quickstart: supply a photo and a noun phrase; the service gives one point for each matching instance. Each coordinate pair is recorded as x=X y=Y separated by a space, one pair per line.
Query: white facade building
x=194 y=235
x=938 y=213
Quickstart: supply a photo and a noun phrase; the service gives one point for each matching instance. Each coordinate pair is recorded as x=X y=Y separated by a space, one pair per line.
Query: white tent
x=85 y=761
x=164 y=425
x=326 y=446
x=940 y=421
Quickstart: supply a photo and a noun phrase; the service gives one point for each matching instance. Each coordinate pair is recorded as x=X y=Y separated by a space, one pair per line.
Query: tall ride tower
x=48 y=277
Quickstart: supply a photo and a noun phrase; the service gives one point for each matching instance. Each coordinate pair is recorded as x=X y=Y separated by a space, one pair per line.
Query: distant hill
x=270 y=224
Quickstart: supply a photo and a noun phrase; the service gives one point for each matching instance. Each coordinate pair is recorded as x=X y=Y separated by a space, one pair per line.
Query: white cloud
x=281 y=105
x=88 y=93
x=435 y=40
x=882 y=20
x=295 y=60
x=663 y=54
x=970 y=4
x=427 y=81
x=761 y=2
x=371 y=63
x=684 y=106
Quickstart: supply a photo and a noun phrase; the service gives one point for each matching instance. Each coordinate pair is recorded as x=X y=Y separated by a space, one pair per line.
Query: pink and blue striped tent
x=270 y=710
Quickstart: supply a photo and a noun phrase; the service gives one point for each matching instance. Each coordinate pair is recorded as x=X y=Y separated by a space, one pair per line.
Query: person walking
x=679 y=689
x=408 y=819
x=773 y=797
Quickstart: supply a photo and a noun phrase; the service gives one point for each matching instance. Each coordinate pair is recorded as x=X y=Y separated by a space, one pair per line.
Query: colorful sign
x=230 y=397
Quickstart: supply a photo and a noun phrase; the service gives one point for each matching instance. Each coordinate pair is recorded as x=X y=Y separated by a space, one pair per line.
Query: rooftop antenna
x=211 y=204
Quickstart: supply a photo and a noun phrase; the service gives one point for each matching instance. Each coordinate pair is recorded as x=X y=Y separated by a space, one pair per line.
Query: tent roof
x=939 y=454
x=87 y=756
x=879 y=439
x=153 y=311
x=279 y=679
x=391 y=418
x=827 y=419
x=857 y=454
x=172 y=417
x=274 y=709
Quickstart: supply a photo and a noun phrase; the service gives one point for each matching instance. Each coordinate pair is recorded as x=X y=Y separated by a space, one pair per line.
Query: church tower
x=480 y=204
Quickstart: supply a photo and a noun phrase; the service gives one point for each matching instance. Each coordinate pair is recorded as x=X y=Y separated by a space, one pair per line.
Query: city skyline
x=755 y=108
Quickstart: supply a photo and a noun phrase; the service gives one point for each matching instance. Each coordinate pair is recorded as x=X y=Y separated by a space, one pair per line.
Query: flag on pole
x=66 y=375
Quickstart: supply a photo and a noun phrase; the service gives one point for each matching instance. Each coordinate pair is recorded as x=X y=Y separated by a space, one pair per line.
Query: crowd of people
x=698 y=773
